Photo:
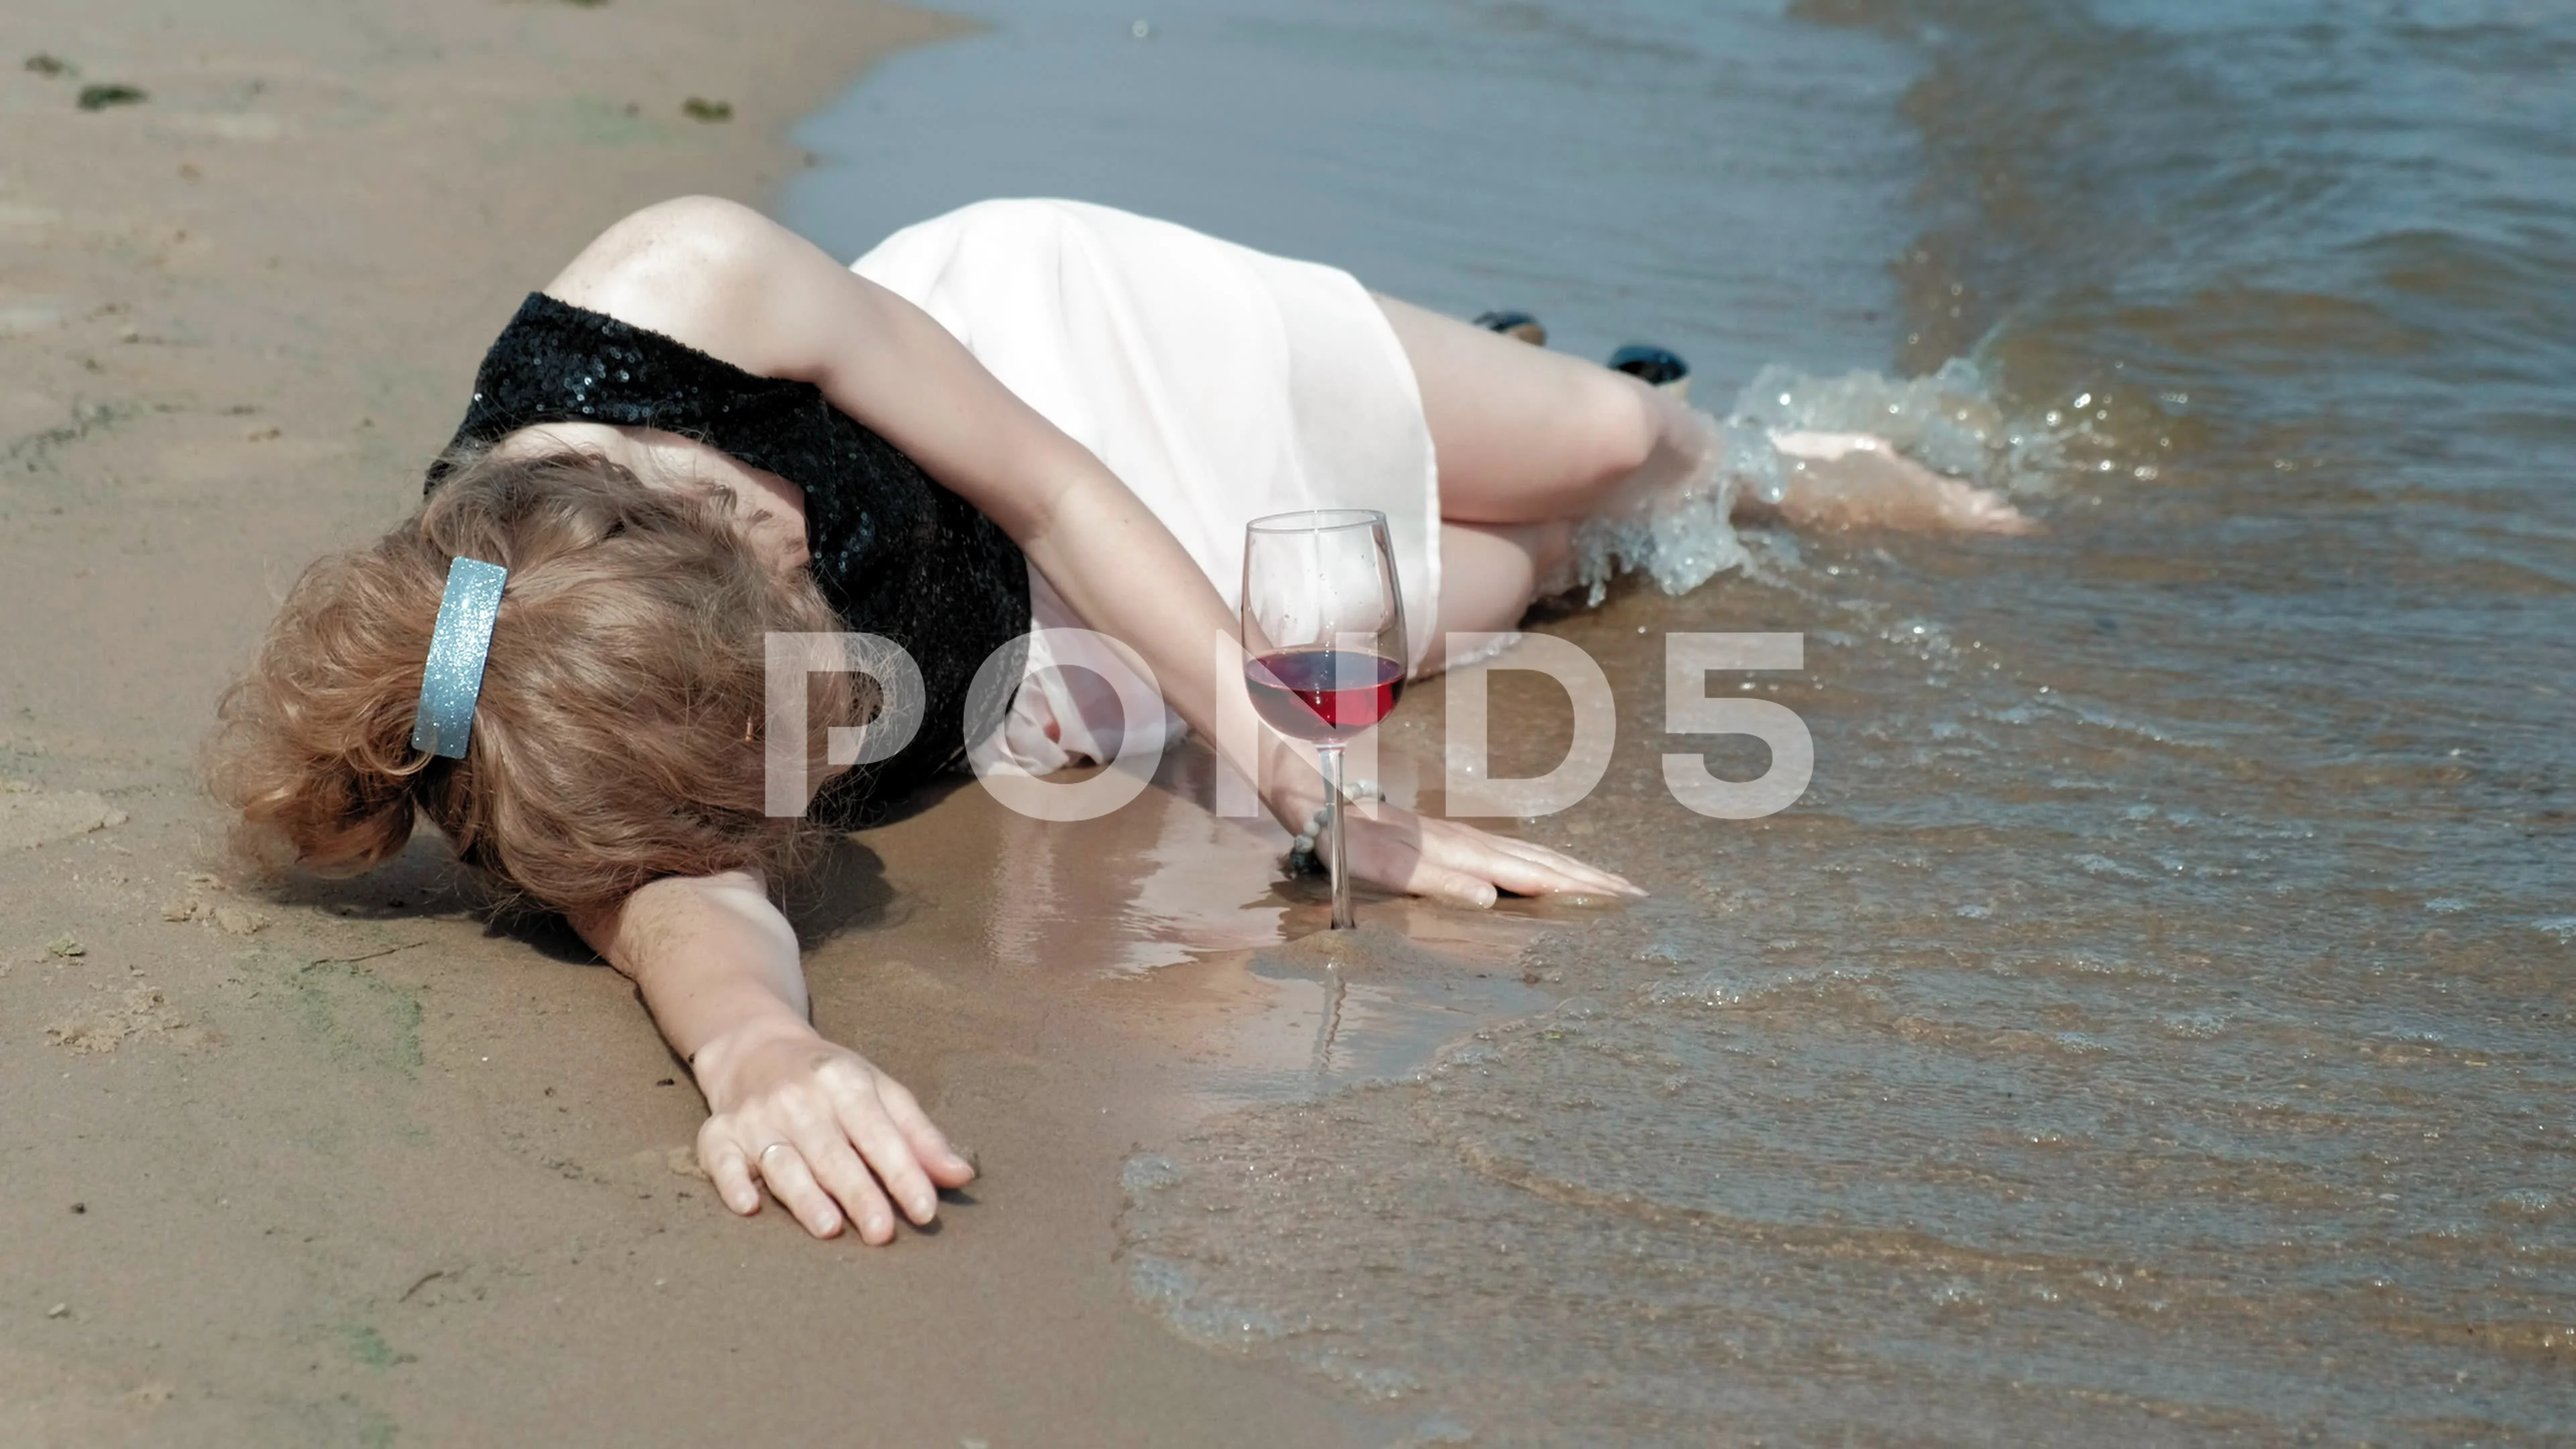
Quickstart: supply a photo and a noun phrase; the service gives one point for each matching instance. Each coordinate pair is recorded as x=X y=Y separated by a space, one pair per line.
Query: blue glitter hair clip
x=454 y=678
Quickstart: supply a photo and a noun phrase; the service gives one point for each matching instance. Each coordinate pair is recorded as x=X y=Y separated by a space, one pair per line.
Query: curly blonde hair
x=618 y=736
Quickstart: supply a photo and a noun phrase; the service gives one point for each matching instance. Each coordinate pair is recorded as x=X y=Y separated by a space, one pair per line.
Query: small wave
x=2524 y=1202
x=1950 y=420
x=1147 y=1172
x=2196 y=1025
x=1726 y=989
x=2103 y=865
x=1173 y=1291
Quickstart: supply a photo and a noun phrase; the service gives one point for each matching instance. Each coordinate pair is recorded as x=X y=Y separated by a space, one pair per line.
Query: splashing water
x=1949 y=420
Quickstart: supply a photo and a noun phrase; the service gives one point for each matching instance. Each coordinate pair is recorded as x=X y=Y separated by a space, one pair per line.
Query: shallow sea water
x=2155 y=1020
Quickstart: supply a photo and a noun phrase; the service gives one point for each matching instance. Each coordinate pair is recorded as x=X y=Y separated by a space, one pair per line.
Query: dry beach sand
x=352 y=1165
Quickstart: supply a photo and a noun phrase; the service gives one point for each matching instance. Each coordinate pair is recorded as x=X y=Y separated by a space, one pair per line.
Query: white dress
x=1219 y=383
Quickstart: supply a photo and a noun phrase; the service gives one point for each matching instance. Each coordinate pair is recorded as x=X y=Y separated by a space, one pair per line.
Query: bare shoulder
x=718 y=276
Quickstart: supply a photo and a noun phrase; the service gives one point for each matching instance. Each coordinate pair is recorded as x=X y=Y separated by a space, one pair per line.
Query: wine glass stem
x=1331 y=756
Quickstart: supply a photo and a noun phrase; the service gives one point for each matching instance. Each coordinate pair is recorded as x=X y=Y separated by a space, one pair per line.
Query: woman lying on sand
x=705 y=430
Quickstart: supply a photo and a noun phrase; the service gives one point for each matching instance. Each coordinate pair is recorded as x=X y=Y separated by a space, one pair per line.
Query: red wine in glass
x=1324 y=644
x=1323 y=694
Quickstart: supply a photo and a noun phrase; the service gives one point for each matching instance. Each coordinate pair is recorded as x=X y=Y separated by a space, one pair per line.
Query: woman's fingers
x=836 y=1142
x=781 y=1165
x=1462 y=864
x=1457 y=887
x=1516 y=865
x=863 y=1120
x=1532 y=878
x=826 y=1149
x=1578 y=875
x=1549 y=855
x=938 y=1156
x=729 y=1168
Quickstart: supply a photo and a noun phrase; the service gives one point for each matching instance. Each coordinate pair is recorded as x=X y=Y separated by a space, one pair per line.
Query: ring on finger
x=762 y=1160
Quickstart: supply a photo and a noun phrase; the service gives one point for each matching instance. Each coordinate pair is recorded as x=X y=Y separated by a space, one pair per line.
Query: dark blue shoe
x=1656 y=366
x=1515 y=324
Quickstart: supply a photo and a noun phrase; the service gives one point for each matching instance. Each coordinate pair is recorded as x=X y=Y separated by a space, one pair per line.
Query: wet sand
x=2150 y=1027
x=354 y=1165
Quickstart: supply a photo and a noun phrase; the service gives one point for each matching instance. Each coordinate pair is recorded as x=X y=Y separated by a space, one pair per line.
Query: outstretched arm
x=732 y=283
x=718 y=968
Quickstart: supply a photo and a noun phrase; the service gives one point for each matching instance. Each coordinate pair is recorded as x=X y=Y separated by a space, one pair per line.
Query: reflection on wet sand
x=1183 y=927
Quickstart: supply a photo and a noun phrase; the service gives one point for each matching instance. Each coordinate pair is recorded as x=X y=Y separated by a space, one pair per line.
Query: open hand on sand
x=1460 y=864
x=1855 y=480
x=830 y=1136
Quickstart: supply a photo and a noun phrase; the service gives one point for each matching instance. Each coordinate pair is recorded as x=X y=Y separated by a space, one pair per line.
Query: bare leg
x=1489 y=573
x=1855 y=480
x=1532 y=442
x=1526 y=435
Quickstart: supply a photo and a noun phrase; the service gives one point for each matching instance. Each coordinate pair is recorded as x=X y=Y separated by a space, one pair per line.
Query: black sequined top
x=896 y=554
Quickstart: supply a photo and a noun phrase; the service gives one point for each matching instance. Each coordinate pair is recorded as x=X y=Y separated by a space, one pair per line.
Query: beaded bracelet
x=1301 y=850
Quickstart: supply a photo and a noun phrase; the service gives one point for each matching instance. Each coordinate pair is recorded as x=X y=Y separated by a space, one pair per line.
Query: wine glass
x=1323 y=642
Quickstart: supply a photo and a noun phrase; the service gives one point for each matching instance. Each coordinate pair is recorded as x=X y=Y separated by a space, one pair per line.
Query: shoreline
x=348 y=1163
